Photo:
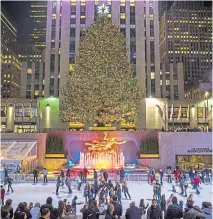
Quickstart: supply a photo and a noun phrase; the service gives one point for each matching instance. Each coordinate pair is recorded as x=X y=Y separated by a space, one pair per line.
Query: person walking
x=2 y=195
x=149 y=176
x=109 y=212
x=173 y=185
x=154 y=211
x=45 y=172
x=35 y=211
x=58 y=183
x=68 y=183
x=133 y=212
x=169 y=175
x=35 y=175
x=143 y=207
x=85 y=173
x=173 y=211
x=68 y=213
x=125 y=190
x=117 y=207
x=9 y=181
x=163 y=204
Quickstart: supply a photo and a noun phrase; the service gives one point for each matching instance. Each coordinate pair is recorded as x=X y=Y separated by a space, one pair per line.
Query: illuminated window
x=29 y=71
x=53 y=16
x=122 y=16
x=167 y=82
x=36 y=92
x=152 y=75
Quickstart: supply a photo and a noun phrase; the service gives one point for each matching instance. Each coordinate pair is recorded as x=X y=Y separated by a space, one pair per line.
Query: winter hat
x=37 y=205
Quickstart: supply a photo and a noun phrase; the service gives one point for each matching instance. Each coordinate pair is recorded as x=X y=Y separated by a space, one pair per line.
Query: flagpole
x=189 y=114
x=181 y=114
x=30 y=114
x=197 y=115
x=22 y=116
x=39 y=116
x=173 y=121
x=165 y=115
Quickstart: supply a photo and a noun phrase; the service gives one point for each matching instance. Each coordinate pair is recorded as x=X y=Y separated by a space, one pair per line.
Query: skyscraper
x=10 y=63
x=186 y=36
x=66 y=24
x=38 y=15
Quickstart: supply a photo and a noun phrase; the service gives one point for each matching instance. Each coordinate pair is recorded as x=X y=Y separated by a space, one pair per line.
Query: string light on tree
x=100 y=88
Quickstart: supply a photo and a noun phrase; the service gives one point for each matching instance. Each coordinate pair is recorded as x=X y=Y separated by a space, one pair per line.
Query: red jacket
x=85 y=172
x=196 y=180
x=2 y=193
x=176 y=174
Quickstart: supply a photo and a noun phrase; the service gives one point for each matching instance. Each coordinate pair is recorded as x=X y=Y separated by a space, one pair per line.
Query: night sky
x=19 y=10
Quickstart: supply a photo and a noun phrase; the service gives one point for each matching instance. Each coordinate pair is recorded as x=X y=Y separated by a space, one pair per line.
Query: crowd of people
x=104 y=197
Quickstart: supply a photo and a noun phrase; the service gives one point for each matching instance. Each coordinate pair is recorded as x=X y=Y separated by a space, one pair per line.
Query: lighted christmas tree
x=100 y=88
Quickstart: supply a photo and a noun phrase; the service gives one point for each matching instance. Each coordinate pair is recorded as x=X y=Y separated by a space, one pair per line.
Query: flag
x=210 y=114
x=204 y=110
x=23 y=109
x=164 y=112
x=172 y=111
x=40 y=114
x=188 y=112
x=179 y=113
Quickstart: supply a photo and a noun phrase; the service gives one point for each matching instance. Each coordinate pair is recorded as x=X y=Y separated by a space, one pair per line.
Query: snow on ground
x=29 y=192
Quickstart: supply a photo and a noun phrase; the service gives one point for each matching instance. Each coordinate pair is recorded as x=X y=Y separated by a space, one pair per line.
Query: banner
x=179 y=113
x=172 y=111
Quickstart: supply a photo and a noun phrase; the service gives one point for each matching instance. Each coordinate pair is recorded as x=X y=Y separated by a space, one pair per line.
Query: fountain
x=102 y=154
x=107 y=159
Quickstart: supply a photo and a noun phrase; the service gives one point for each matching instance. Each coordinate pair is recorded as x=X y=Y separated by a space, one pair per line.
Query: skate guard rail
x=113 y=177
x=52 y=178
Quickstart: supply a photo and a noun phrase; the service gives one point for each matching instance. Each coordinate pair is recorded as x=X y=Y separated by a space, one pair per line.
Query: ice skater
x=62 y=177
x=45 y=172
x=125 y=189
x=122 y=174
x=35 y=175
x=74 y=204
x=9 y=181
x=78 y=179
x=58 y=183
x=173 y=185
x=68 y=183
x=2 y=195
x=169 y=173
x=161 y=176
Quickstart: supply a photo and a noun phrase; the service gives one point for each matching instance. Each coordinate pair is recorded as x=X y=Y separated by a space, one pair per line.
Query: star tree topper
x=103 y=9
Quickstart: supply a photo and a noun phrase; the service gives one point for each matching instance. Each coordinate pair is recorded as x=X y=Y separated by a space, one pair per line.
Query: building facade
x=42 y=115
x=66 y=24
x=32 y=85
x=38 y=16
x=8 y=30
x=185 y=36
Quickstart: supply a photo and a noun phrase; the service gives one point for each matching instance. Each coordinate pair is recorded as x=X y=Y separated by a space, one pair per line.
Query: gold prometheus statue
x=104 y=145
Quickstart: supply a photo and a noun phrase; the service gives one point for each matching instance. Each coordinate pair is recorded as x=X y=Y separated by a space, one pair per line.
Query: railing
x=113 y=177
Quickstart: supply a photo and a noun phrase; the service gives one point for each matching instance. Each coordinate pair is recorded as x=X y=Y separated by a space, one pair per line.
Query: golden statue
x=104 y=145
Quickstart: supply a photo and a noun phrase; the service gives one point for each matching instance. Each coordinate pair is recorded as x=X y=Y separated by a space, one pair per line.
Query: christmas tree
x=100 y=88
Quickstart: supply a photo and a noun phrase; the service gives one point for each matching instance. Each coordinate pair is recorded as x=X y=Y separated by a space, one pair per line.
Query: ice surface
x=29 y=192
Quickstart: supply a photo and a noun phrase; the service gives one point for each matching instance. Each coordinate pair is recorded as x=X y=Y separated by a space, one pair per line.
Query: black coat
x=91 y=213
x=154 y=213
x=9 y=208
x=109 y=216
x=50 y=207
x=133 y=213
x=173 y=211
x=117 y=209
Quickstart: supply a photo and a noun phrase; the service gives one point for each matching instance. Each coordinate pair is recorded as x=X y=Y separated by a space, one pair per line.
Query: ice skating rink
x=29 y=192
